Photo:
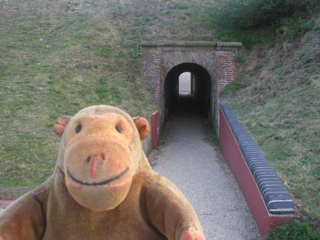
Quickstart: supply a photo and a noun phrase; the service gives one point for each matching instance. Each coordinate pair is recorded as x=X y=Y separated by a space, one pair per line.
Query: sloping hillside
x=57 y=57
x=277 y=97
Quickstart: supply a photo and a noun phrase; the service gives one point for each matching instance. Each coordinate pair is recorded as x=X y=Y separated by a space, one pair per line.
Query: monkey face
x=98 y=159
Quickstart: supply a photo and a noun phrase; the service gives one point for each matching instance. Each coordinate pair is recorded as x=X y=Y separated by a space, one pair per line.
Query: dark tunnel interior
x=198 y=101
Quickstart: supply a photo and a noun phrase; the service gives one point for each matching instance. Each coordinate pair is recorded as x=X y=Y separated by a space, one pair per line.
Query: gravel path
x=190 y=160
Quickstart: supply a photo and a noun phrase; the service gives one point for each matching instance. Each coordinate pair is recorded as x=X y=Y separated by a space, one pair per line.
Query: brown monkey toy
x=102 y=187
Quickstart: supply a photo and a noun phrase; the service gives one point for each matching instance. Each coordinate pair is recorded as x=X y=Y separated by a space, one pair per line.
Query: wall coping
x=275 y=195
x=206 y=44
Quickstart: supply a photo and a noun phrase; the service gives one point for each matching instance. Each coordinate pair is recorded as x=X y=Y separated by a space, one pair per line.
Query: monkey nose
x=97 y=158
x=95 y=162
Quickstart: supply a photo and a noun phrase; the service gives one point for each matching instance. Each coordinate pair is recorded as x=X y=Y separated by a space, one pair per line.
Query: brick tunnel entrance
x=196 y=93
x=211 y=65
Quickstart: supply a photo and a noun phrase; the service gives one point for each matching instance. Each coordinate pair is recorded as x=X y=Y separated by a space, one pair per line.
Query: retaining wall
x=268 y=199
x=151 y=141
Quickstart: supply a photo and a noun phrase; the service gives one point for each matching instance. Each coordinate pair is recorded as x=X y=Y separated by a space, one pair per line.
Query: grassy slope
x=57 y=57
x=277 y=97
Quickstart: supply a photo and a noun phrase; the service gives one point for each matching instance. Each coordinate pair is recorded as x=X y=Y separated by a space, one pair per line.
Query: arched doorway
x=186 y=83
x=189 y=85
x=214 y=62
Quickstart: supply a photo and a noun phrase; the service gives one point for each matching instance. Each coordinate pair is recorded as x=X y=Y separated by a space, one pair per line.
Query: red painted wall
x=232 y=154
x=154 y=129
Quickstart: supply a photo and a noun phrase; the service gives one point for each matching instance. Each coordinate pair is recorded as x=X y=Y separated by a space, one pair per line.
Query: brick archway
x=203 y=86
x=217 y=59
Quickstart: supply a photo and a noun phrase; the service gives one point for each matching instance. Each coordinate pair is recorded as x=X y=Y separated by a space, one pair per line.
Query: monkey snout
x=99 y=158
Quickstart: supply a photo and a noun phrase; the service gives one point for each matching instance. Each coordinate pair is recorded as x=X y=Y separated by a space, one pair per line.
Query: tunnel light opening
x=185 y=83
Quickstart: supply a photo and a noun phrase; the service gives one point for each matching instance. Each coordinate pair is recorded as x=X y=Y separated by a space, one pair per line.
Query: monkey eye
x=78 y=128
x=119 y=129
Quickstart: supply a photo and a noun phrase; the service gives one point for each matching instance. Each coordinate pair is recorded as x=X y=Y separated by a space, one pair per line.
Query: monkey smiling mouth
x=98 y=183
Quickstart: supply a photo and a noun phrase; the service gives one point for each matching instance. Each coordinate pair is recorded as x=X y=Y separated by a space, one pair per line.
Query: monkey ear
x=143 y=126
x=61 y=124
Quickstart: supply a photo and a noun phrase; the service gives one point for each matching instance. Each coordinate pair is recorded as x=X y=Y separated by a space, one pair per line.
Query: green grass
x=295 y=230
x=59 y=57
x=234 y=86
x=277 y=98
x=252 y=22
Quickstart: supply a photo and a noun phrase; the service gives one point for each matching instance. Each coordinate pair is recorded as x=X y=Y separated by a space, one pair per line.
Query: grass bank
x=58 y=57
x=276 y=96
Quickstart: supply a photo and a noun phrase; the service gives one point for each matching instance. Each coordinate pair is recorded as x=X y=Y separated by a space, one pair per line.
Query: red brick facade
x=217 y=58
x=226 y=69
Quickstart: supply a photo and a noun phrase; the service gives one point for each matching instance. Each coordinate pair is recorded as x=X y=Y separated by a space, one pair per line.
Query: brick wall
x=218 y=58
x=226 y=68
x=151 y=71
